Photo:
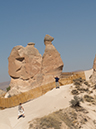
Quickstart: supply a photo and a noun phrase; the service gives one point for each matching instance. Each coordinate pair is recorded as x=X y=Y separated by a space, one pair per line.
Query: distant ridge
x=4 y=85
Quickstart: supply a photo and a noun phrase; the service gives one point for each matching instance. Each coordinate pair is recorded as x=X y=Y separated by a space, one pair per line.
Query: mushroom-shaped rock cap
x=31 y=43
x=48 y=38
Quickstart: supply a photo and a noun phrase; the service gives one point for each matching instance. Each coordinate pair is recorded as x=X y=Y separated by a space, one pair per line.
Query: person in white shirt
x=20 y=111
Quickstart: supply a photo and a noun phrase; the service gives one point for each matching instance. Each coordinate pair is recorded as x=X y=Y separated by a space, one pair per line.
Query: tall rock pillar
x=52 y=63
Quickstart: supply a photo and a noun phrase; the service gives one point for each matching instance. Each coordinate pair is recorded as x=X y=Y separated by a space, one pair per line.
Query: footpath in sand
x=51 y=101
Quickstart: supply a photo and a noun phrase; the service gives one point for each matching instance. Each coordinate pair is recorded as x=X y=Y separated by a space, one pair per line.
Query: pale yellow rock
x=25 y=67
x=15 y=61
x=28 y=69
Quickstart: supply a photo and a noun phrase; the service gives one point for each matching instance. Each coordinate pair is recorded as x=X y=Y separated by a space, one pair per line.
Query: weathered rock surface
x=94 y=64
x=25 y=67
x=48 y=38
x=52 y=63
x=28 y=69
x=93 y=78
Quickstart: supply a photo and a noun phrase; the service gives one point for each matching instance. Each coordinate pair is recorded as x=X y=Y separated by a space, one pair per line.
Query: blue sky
x=72 y=23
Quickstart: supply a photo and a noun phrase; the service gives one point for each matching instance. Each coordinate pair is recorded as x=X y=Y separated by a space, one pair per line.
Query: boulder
x=48 y=38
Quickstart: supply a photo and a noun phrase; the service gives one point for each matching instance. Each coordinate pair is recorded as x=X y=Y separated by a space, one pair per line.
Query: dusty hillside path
x=53 y=100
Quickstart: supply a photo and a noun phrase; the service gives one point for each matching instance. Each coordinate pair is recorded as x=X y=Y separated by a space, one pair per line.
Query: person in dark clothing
x=57 y=82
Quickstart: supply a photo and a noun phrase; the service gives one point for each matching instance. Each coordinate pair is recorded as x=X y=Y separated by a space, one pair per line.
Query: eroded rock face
x=93 y=78
x=94 y=64
x=25 y=67
x=52 y=63
x=28 y=69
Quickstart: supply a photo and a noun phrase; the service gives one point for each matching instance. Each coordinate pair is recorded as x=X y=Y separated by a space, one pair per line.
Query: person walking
x=57 y=82
x=20 y=111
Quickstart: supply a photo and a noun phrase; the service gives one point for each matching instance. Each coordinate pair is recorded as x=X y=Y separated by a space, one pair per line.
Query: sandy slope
x=51 y=101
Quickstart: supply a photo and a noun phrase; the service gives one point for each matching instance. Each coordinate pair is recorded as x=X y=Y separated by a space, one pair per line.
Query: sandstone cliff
x=52 y=63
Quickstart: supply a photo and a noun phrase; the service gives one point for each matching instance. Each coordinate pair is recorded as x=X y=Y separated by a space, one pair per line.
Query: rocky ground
x=79 y=115
x=69 y=118
x=71 y=106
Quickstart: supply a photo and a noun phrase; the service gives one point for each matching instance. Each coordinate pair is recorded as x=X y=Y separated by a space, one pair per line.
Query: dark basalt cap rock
x=31 y=43
x=48 y=38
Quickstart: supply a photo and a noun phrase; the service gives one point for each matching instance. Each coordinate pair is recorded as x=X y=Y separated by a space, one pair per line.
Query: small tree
x=8 y=88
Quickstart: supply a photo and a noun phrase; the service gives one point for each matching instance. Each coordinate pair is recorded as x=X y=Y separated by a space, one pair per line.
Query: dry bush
x=77 y=83
x=88 y=98
x=76 y=101
x=86 y=83
x=50 y=121
x=83 y=89
x=74 y=92
x=78 y=80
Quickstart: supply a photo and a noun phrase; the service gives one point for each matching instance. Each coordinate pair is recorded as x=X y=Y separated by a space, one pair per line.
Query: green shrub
x=8 y=88
x=75 y=102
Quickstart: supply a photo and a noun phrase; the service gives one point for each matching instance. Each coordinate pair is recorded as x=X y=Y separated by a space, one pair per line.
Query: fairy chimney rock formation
x=52 y=63
x=28 y=69
x=25 y=67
